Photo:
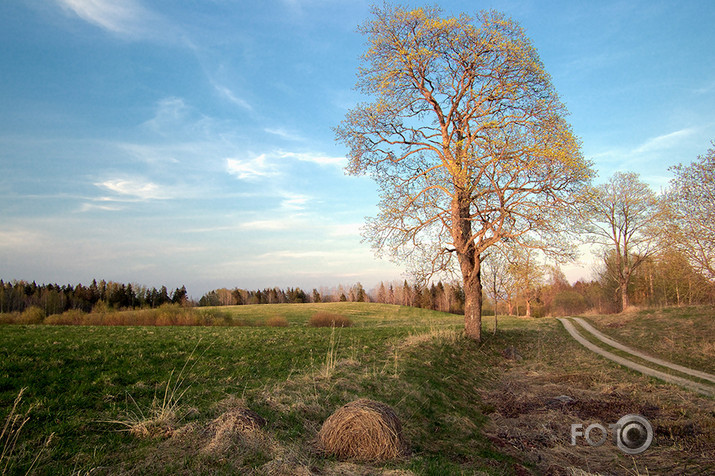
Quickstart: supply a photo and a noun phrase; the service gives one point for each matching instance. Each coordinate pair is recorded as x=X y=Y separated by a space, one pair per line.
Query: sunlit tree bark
x=467 y=140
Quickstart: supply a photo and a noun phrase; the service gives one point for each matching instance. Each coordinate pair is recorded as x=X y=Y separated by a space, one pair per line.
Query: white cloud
x=124 y=17
x=282 y=133
x=88 y=207
x=314 y=158
x=294 y=201
x=265 y=225
x=19 y=238
x=250 y=169
x=344 y=229
x=665 y=141
x=134 y=188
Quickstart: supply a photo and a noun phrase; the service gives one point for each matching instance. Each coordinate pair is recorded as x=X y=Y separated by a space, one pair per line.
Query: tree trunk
x=624 y=297
x=496 y=312
x=473 y=307
x=469 y=263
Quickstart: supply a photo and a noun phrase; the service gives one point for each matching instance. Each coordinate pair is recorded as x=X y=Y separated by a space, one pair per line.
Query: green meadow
x=146 y=400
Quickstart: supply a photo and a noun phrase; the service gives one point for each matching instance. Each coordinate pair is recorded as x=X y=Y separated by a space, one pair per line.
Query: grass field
x=465 y=407
x=684 y=335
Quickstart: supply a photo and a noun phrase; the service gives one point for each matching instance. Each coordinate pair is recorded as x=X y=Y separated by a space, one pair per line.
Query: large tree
x=467 y=140
x=692 y=201
x=627 y=218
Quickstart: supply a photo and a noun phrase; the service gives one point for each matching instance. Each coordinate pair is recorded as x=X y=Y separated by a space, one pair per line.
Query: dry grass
x=363 y=430
x=528 y=421
x=277 y=321
x=443 y=334
x=237 y=423
x=10 y=434
x=329 y=319
x=165 y=413
x=680 y=335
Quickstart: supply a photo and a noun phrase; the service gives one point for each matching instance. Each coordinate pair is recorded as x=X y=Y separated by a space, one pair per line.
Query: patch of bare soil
x=531 y=413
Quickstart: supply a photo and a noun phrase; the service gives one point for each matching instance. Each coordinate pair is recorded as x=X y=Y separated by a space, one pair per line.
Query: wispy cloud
x=282 y=133
x=311 y=157
x=127 y=17
x=344 y=229
x=226 y=93
x=298 y=254
x=251 y=169
x=19 y=238
x=169 y=111
x=88 y=207
x=294 y=201
x=134 y=189
x=665 y=141
x=265 y=225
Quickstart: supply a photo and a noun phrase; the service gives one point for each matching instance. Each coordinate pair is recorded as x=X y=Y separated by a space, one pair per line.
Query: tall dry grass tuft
x=14 y=422
x=328 y=319
x=11 y=432
x=164 y=414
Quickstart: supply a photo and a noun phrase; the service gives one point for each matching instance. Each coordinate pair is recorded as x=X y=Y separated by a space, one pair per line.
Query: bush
x=277 y=321
x=327 y=319
x=73 y=317
x=31 y=315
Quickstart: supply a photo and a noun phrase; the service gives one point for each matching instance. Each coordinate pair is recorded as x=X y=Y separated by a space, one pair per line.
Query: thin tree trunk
x=496 y=312
x=624 y=293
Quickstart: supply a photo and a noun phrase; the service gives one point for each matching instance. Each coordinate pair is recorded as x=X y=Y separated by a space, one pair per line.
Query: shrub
x=31 y=315
x=73 y=317
x=277 y=321
x=327 y=319
x=9 y=317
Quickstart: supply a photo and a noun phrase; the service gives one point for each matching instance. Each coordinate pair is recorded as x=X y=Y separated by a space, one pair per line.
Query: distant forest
x=16 y=296
x=665 y=280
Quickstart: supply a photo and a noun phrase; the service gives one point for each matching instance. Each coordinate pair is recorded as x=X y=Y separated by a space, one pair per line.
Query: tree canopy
x=627 y=218
x=692 y=201
x=467 y=139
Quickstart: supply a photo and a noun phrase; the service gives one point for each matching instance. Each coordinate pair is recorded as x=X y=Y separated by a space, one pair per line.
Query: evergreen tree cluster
x=16 y=296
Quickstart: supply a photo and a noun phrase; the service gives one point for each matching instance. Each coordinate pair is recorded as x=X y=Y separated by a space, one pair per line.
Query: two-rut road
x=699 y=387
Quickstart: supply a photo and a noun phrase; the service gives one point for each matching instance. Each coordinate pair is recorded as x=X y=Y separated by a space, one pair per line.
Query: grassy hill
x=147 y=400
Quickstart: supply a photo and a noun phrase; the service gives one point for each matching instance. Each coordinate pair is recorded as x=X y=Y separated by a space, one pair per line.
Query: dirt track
x=684 y=382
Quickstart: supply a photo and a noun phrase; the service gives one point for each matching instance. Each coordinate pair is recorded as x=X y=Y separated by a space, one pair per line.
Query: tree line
x=16 y=296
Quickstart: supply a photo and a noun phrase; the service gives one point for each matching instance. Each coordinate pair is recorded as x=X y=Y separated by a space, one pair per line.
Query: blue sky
x=163 y=142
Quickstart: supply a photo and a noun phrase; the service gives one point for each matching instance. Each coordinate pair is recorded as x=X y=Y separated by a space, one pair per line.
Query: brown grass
x=239 y=422
x=363 y=430
x=529 y=419
x=277 y=321
x=328 y=319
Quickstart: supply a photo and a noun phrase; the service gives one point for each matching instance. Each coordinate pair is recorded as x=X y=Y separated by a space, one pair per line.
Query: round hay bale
x=363 y=430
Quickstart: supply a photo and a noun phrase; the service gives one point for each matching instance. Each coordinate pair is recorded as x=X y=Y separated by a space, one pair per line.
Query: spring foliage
x=467 y=139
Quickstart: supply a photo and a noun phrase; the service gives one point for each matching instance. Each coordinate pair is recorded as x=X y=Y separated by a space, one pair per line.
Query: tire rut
x=684 y=382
